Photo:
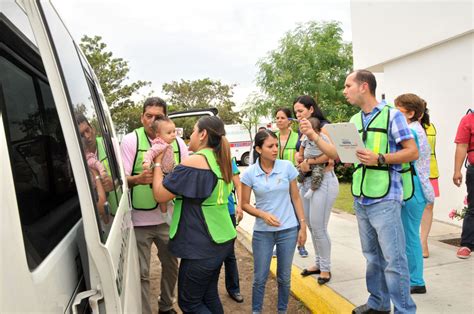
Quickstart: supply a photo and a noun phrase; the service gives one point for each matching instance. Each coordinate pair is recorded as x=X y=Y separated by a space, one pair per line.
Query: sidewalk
x=449 y=280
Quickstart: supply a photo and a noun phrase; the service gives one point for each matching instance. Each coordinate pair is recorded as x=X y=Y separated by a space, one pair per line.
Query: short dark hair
x=81 y=118
x=155 y=101
x=286 y=111
x=365 y=76
x=159 y=119
x=315 y=124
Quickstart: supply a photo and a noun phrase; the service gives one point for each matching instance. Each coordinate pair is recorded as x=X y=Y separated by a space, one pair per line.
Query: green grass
x=345 y=200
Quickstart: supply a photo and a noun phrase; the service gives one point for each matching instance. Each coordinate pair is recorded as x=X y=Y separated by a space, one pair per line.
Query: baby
x=310 y=150
x=165 y=132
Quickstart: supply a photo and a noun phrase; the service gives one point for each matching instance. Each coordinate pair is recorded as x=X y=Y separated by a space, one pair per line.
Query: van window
x=44 y=184
x=91 y=124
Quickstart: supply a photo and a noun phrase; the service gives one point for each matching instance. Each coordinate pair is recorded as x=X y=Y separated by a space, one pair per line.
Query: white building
x=426 y=48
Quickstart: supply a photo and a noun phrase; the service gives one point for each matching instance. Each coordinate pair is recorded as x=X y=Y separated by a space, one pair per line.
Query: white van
x=66 y=236
x=240 y=143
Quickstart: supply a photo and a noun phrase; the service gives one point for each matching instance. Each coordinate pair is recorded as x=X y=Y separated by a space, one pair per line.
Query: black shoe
x=170 y=311
x=322 y=280
x=237 y=297
x=306 y=272
x=418 y=290
x=365 y=309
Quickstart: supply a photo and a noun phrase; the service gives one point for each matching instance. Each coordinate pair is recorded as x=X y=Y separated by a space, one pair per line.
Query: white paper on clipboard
x=347 y=140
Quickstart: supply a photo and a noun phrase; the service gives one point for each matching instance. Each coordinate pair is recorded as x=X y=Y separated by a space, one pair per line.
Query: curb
x=317 y=298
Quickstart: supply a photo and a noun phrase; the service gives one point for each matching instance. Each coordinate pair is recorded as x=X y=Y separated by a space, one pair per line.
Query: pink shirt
x=129 y=150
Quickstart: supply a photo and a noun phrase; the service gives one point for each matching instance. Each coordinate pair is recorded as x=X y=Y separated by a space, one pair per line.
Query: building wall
x=443 y=76
x=384 y=30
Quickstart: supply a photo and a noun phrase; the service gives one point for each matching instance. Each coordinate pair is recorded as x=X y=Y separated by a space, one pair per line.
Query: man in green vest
x=96 y=154
x=378 y=195
x=146 y=216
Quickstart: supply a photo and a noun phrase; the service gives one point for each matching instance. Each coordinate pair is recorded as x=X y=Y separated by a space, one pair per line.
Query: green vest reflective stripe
x=374 y=181
x=214 y=208
x=142 y=195
x=113 y=197
x=176 y=152
x=431 y=136
x=289 y=150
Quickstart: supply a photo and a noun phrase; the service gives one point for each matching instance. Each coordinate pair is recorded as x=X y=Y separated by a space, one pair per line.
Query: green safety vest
x=374 y=181
x=214 y=208
x=176 y=152
x=289 y=150
x=142 y=195
x=431 y=136
x=112 y=197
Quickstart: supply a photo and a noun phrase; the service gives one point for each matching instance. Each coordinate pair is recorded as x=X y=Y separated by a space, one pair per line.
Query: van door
x=109 y=257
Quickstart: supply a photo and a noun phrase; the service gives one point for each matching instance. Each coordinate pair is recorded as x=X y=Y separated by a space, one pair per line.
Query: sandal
x=306 y=272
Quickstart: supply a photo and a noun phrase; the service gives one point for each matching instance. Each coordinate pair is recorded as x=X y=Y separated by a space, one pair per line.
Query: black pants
x=467 y=235
x=231 y=270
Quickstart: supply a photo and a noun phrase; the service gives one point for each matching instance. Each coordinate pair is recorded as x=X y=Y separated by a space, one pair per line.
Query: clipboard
x=347 y=140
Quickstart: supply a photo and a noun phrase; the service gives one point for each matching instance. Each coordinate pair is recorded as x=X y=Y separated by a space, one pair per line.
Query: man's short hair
x=154 y=101
x=81 y=118
x=364 y=76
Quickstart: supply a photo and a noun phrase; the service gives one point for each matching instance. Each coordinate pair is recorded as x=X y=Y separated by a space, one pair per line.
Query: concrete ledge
x=317 y=298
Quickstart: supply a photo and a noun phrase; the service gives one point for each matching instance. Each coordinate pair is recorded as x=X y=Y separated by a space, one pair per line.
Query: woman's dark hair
x=286 y=111
x=260 y=137
x=309 y=102
x=425 y=120
x=411 y=102
x=219 y=144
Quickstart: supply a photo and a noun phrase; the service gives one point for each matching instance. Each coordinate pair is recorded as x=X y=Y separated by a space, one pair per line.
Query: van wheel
x=245 y=160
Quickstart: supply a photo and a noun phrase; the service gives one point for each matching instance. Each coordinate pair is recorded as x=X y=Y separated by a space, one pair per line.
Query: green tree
x=112 y=74
x=313 y=60
x=254 y=108
x=203 y=93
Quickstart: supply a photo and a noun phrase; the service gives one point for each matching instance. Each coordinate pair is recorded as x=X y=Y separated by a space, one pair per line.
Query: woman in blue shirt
x=278 y=221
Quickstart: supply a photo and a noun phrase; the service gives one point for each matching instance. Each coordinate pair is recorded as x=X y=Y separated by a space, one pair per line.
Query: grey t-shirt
x=311 y=150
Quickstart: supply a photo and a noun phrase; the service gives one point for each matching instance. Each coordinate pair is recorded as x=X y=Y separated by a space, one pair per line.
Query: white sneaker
x=166 y=218
x=308 y=194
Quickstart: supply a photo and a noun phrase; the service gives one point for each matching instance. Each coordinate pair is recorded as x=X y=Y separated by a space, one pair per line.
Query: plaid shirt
x=398 y=131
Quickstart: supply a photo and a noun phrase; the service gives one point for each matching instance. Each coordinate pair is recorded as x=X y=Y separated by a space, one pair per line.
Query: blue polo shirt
x=272 y=193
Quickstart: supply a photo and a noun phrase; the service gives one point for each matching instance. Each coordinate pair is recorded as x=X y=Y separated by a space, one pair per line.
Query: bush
x=344 y=174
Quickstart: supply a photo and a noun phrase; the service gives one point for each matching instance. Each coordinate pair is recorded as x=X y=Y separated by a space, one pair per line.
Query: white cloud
x=172 y=40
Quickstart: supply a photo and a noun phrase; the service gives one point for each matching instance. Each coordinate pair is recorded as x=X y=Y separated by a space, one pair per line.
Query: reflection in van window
x=44 y=184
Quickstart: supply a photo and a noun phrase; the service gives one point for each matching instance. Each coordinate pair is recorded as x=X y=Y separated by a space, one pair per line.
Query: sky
x=166 y=41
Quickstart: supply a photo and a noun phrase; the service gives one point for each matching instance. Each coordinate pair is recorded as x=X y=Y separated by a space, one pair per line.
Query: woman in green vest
x=201 y=231
x=427 y=218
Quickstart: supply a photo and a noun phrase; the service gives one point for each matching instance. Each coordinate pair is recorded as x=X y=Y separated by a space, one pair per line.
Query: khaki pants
x=158 y=234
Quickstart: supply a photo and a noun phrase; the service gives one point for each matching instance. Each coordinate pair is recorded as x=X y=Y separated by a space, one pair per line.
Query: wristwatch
x=381 y=160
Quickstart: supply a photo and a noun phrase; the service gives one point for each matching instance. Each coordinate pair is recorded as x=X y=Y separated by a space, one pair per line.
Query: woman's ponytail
x=425 y=119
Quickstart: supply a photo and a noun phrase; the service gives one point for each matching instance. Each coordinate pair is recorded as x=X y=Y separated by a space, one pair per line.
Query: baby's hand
x=146 y=165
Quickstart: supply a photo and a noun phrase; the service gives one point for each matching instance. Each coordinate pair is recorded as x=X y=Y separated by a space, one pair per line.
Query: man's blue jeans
x=262 y=246
x=383 y=245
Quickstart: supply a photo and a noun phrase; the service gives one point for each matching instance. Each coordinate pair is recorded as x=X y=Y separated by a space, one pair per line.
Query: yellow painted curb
x=317 y=298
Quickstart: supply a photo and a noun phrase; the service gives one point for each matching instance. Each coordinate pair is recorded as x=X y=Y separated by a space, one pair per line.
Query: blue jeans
x=197 y=285
x=383 y=245
x=262 y=246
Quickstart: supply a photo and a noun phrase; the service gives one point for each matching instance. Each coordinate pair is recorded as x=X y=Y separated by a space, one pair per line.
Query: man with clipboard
x=378 y=195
